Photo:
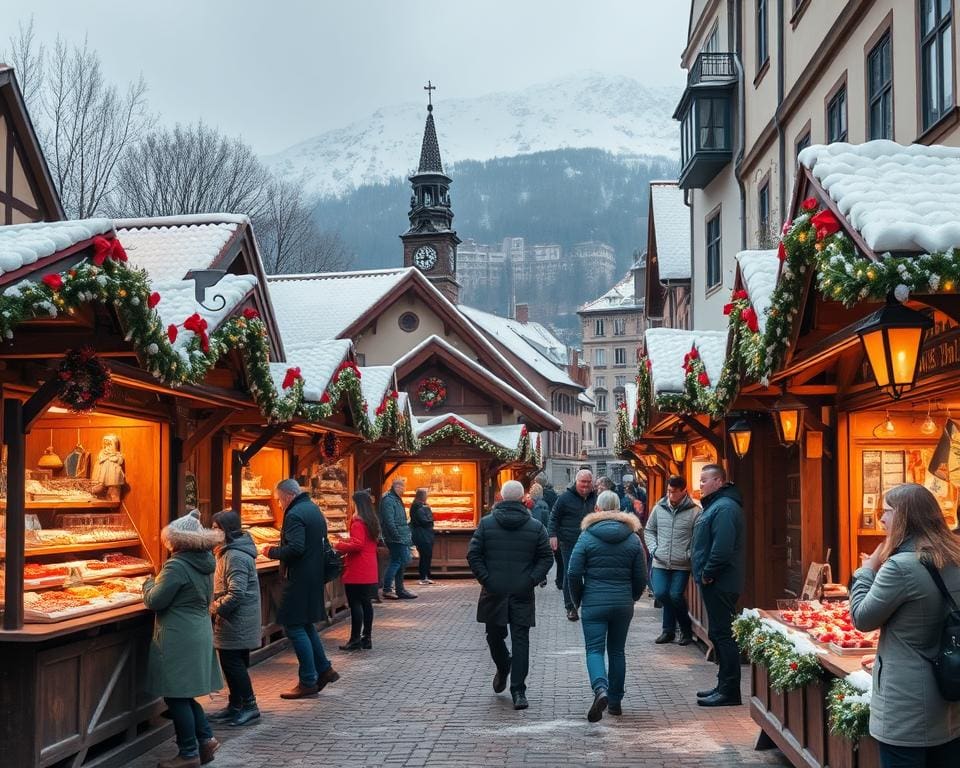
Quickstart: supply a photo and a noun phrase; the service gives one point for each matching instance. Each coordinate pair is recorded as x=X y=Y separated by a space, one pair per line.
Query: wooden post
x=216 y=472
x=15 y=440
x=236 y=480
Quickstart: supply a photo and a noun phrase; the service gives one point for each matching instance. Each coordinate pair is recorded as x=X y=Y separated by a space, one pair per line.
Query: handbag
x=946 y=662
x=332 y=562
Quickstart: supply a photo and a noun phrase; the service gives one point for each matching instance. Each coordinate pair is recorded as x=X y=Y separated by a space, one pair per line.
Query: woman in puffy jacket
x=360 y=570
x=894 y=591
x=607 y=575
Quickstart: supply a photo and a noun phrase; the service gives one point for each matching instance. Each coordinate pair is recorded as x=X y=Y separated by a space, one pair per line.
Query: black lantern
x=678 y=445
x=788 y=419
x=740 y=434
x=891 y=337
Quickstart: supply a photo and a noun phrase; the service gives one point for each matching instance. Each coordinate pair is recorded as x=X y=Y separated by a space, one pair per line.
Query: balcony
x=705 y=113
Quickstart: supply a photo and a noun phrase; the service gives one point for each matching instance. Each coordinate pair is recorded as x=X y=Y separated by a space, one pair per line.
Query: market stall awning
x=668 y=351
x=25 y=247
x=757 y=273
x=508 y=442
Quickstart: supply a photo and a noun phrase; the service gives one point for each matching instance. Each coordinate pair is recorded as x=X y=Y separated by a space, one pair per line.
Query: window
x=620 y=397
x=802 y=143
x=600 y=357
x=837 y=117
x=598 y=327
x=601 y=438
x=880 y=90
x=619 y=326
x=601 y=402
x=763 y=52
x=620 y=356
x=619 y=382
x=408 y=322
x=936 y=60
x=713 y=251
x=712 y=123
x=600 y=382
x=763 y=213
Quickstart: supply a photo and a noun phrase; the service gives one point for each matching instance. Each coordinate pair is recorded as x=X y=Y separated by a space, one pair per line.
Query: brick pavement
x=423 y=697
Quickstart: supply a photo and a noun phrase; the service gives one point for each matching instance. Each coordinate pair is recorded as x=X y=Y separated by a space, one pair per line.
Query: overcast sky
x=278 y=72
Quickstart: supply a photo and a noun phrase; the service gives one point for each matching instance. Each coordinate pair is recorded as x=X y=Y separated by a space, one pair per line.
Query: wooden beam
x=813 y=390
x=214 y=423
x=707 y=434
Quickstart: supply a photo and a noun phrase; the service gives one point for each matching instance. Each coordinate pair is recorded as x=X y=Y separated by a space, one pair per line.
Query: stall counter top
x=34 y=633
x=841 y=666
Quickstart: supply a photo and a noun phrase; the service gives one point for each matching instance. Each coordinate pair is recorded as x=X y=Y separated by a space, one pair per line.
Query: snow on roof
x=666 y=348
x=671 y=222
x=619 y=297
x=630 y=397
x=899 y=197
x=317 y=364
x=168 y=247
x=584 y=398
x=324 y=305
x=547 y=418
x=505 y=435
x=530 y=342
x=374 y=382
x=23 y=244
x=178 y=302
x=759 y=270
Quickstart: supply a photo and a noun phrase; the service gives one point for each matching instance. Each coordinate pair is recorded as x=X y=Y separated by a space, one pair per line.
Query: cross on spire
x=429 y=88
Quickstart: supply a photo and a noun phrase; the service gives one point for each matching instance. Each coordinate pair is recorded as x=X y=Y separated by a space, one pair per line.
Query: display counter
x=797 y=721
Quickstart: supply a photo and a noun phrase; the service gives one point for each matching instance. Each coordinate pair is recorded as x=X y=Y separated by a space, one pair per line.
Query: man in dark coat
x=550 y=496
x=509 y=554
x=717 y=557
x=395 y=530
x=301 y=556
x=575 y=503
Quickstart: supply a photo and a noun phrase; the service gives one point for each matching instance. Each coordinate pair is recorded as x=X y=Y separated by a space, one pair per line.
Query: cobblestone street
x=423 y=697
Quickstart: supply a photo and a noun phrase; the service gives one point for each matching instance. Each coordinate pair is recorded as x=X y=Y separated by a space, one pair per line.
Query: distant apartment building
x=613 y=327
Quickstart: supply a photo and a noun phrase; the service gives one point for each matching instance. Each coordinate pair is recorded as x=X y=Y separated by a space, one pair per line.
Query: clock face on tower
x=425 y=257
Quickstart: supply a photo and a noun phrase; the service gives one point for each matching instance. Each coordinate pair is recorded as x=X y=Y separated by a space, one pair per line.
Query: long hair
x=917 y=516
x=363 y=508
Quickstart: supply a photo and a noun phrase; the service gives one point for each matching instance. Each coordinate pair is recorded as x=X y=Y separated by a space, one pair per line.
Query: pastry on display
x=263 y=534
x=256 y=513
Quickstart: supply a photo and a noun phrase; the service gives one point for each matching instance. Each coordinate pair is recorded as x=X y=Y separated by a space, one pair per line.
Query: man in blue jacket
x=718 y=567
x=396 y=535
x=575 y=503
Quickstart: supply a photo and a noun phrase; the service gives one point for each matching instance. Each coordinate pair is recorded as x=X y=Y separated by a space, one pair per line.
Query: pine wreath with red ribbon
x=84 y=380
x=432 y=392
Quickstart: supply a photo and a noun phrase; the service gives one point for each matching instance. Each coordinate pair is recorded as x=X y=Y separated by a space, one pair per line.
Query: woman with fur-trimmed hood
x=607 y=575
x=182 y=663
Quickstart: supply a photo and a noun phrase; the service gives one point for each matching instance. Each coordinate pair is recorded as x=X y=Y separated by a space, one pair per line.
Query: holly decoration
x=84 y=380
x=452 y=427
x=432 y=392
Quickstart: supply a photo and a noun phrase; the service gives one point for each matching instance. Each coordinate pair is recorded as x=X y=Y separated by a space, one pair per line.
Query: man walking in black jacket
x=550 y=496
x=509 y=554
x=575 y=503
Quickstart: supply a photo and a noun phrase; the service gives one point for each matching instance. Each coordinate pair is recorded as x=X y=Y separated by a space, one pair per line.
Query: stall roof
x=666 y=348
x=504 y=435
x=317 y=363
x=531 y=342
x=24 y=244
x=375 y=380
x=759 y=270
x=898 y=197
x=672 y=230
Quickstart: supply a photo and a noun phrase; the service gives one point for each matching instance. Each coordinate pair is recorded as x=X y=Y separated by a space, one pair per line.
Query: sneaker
x=595 y=713
x=665 y=637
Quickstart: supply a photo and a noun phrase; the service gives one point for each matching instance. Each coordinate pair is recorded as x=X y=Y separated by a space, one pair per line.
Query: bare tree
x=289 y=238
x=189 y=169
x=88 y=125
x=27 y=58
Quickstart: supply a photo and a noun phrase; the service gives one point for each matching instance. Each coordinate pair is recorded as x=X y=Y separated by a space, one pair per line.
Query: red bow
x=172 y=333
x=810 y=204
x=749 y=316
x=703 y=379
x=117 y=253
x=826 y=224
x=782 y=251
x=739 y=295
x=101 y=250
x=153 y=300
x=53 y=281
x=250 y=314
x=727 y=309
x=292 y=375
x=198 y=325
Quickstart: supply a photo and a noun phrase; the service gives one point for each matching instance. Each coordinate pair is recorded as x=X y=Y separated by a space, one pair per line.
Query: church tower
x=430 y=244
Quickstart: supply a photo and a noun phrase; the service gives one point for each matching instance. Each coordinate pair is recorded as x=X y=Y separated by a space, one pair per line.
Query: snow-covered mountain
x=615 y=113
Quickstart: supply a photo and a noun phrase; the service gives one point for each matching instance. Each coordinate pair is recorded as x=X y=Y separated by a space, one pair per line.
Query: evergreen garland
x=790 y=663
x=848 y=709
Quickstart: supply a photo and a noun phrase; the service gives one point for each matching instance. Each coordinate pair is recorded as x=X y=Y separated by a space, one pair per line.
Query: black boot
x=248 y=712
x=224 y=715
x=352 y=645
x=365 y=643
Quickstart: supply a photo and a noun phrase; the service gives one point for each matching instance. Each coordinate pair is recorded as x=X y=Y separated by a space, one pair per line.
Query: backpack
x=946 y=662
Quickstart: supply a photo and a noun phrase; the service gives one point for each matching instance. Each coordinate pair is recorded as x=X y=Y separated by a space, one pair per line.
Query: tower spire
x=430 y=161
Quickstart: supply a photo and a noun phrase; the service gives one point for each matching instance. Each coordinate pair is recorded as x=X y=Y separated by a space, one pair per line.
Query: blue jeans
x=606 y=627
x=399 y=557
x=565 y=551
x=190 y=725
x=306 y=644
x=669 y=587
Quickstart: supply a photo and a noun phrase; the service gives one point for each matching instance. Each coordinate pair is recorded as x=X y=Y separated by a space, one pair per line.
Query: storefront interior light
x=885 y=428
x=891 y=338
x=678 y=446
x=740 y=434
x=788 y=418
x=929 y=426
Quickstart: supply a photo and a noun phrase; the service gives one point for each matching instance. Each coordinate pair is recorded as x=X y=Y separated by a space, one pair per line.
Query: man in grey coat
x=396 y=535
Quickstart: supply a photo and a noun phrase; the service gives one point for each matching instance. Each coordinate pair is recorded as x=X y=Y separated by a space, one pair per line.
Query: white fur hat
x=187 y=532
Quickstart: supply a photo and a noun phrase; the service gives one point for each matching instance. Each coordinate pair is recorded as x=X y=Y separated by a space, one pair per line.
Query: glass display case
x=452 y=490
x=329 y=486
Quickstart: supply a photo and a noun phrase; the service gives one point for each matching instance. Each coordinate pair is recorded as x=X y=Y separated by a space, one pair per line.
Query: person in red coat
x=360 y=570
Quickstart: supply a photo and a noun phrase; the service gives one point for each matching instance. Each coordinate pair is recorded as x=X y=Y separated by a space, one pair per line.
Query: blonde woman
x=895 y=592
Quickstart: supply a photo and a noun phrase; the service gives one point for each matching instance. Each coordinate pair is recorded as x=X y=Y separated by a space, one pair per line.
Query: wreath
x=84 y=380
x=331 y=446
x=432 y=392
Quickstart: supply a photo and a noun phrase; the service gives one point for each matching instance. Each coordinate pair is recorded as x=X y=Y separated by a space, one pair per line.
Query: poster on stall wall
x=943 y=478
